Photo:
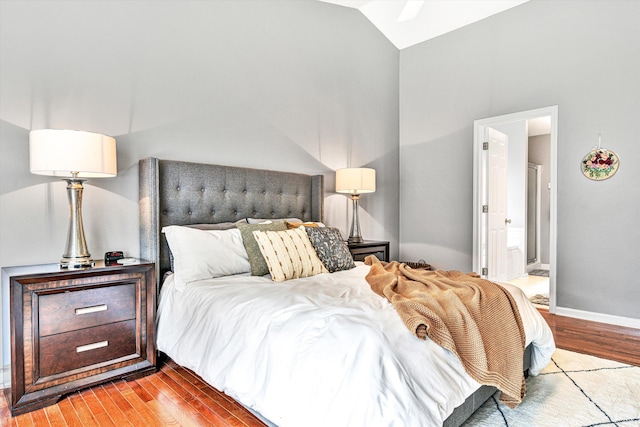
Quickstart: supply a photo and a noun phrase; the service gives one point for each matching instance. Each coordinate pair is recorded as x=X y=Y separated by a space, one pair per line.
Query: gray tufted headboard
x=181 y=193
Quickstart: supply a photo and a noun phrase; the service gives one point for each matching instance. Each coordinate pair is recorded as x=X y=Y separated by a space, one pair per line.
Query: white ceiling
x=408 y=22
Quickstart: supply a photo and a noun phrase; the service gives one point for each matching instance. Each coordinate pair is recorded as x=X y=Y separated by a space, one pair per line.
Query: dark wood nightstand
x=361 y=250
x=72 y=329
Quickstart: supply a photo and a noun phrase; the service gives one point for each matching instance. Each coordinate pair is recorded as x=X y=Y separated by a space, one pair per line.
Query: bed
x=322 y=349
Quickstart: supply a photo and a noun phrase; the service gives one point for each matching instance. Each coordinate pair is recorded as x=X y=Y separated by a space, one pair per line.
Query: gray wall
x=290 y=85
x=582 y=57
x=301 y=86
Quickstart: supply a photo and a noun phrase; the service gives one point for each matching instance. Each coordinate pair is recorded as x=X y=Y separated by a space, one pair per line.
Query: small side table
x=361 y=250
x=72 y=329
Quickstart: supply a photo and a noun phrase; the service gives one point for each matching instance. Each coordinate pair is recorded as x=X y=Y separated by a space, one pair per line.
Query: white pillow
x=204 y=254
x=289 y=254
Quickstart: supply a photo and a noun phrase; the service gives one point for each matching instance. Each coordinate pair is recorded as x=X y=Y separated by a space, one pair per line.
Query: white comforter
x=319 y=351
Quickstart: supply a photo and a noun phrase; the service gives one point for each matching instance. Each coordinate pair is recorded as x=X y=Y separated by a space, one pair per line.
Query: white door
x=497 y=162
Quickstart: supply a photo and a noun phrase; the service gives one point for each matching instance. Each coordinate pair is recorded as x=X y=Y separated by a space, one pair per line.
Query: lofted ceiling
x=408 y=22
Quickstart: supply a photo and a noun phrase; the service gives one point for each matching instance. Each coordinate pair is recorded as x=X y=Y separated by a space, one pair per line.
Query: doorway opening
x=534 y=215
x=524 y=251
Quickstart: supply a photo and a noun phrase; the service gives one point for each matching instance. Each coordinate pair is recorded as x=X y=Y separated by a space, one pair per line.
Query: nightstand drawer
x=360 y=255
x=86 y=347
x=363 y=249
x=72 y=310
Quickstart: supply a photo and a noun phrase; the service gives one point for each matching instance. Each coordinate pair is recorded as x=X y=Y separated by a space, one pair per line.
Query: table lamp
x=74 y=156
x=355 y=181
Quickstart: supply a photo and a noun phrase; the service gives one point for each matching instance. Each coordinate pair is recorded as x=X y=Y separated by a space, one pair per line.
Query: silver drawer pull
x=92 y=309
x=92 y=346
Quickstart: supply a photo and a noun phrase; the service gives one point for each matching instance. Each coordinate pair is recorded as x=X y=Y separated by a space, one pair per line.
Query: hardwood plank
x=181 y=417
x=203 y=397
x=141 y=392
x=115 y=413
x=69 y=413
x=160 y=411
x=40 y=418
x=183 y=382
x=83 y=411
x=230 y=405
x=611 y=342
x=166 y=418
x=24 y=420
x=55 y=416
x=94 y=405
x=5 y=413
x=96 y=408
x=114 y=393
x=138 y=404
x=186 y=401
x=178 y=400
x=128 y=411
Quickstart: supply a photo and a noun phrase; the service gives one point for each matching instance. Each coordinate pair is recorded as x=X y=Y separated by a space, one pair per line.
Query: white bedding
x=320 y=351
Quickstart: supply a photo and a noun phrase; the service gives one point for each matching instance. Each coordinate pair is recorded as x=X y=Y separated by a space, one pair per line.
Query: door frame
x=478 y=182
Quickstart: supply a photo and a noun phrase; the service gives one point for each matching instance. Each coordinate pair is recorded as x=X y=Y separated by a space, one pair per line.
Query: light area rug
x=540 y=299
x=574 y=390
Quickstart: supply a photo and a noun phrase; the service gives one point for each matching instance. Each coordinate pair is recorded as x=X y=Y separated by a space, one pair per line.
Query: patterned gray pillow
x=256 y=260
x=331 y=249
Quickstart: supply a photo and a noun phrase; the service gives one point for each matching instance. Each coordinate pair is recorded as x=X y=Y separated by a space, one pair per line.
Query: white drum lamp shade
x=62 y=152
x=74 y=156
x=355 y=181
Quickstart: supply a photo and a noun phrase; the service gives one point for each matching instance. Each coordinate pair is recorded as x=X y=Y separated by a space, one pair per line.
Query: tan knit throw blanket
x=474 y=318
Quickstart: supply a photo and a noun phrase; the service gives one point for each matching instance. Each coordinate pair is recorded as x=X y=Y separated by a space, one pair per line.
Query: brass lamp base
x=76 y=254
x=355 y=236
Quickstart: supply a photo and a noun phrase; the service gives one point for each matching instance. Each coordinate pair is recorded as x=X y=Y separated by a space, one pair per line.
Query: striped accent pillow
x=289 y=254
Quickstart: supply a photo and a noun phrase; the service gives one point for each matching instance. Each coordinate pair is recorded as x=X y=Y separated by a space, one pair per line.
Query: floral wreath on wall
x=600 y=164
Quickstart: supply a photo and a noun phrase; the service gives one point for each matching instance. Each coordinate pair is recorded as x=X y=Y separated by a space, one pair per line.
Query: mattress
x=322 y=350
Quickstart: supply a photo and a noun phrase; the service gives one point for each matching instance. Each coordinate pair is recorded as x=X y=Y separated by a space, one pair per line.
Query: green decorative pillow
x=256 y=259
x=331 y=249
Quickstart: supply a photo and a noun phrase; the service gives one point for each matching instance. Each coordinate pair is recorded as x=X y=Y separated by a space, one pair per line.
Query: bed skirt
x=481 y=395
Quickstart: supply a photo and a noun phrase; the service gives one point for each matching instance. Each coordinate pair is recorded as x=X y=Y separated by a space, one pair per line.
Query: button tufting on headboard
x=192 y=193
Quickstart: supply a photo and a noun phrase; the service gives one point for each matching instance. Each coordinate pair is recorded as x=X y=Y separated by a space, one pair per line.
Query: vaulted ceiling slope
x=409 y=22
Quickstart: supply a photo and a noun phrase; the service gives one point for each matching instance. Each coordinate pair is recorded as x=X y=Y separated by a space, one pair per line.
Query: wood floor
x=174 y=396
x=598 y=339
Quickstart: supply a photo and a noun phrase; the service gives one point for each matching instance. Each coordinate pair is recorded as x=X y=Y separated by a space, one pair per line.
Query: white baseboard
x=599 y=317
x=533 y=266
x=537 y=266
x=5 y=376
